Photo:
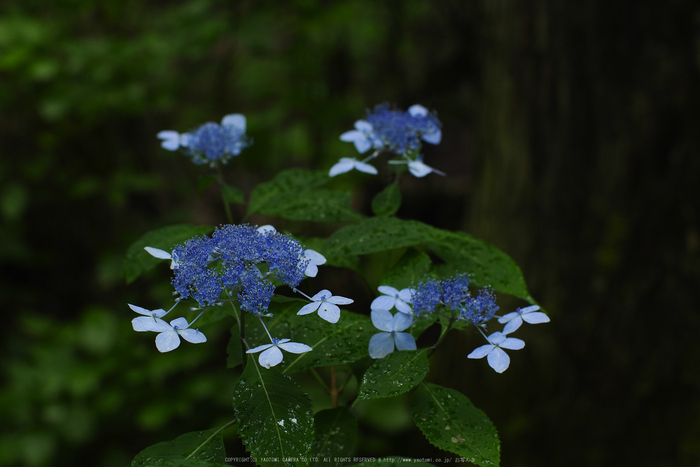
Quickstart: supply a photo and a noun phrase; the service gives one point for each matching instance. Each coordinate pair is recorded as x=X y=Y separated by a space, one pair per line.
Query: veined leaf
x=486 y=264
x=451 y=422
x=200 y=447
x=296 y=194
x=394 y=374
x=387 y=201
x=336 y=435
x=274 y=416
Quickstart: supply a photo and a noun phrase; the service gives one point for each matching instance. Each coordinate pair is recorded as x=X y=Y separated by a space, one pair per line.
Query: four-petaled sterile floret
x=327 y=306
x=496 y=356
x=529 y=314
x=169 y=334
x=382 y=343
x=393 y=298
x=272 y=355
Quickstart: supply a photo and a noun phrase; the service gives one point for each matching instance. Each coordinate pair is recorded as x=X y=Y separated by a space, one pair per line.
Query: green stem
x=319 y=379
x=443 y=333
x=240 y=319
x=220 y=179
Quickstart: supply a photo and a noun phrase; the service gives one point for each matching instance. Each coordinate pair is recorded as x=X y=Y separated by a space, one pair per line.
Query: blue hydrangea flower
x=393 y=298
x=387 y=129
x=382 y=343
x=529 y=314
x=454 y=295
x=326 y=304
x=496 y=356
x=272 y=355
x=227 y=262
x=211 y=142
x=402 y=132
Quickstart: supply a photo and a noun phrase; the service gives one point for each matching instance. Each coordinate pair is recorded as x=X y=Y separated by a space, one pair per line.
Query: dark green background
x=571 y=134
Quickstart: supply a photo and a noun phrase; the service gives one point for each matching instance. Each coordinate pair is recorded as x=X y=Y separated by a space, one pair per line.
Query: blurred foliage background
x=570 y=141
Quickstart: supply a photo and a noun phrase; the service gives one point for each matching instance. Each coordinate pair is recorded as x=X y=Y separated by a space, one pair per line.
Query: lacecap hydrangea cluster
x=211 y=142
x=451 y=298
x=238 y=263
x=395 y=131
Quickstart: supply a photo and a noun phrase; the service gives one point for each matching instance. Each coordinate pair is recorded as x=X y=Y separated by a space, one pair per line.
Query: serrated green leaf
x=203 y=446
x=317 y=205
x=387 y=201
x=333 y=344
x=295 y=194
x=451 y=422
x=393 y=461
x=231 y=194
x=486 y=264
x=336 y=435
x=422 y=323
x=343 y=342
x=412 y=268
x=137 y=260
x=394 y=374
x=274 y=416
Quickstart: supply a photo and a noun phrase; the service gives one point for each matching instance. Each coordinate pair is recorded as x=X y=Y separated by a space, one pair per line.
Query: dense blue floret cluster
x=231 y=261
x=210 y=143
x=401 y=132
x=454 y=294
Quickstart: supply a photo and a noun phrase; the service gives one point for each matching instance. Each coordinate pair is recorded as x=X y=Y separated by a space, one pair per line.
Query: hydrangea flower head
x=392 y=130
x=211 y=142
x=272 y=355
x=228 y=262
x=529 y=314
x=382 y=343
x=402 y=132
x=496 y=356
x=454 y=294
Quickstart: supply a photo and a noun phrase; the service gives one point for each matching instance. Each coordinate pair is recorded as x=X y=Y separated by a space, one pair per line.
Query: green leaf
x=231 y=194
x=450 y=421
x=295 y=194
x=274 y=416
x=486 y=264
x=387 y=201
x=333 y=344
x=336 y=435
x=343 y=342
x=138 y=261
x=412 y=268
x=205 y=182
x=203 y=446
x=394 y=374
